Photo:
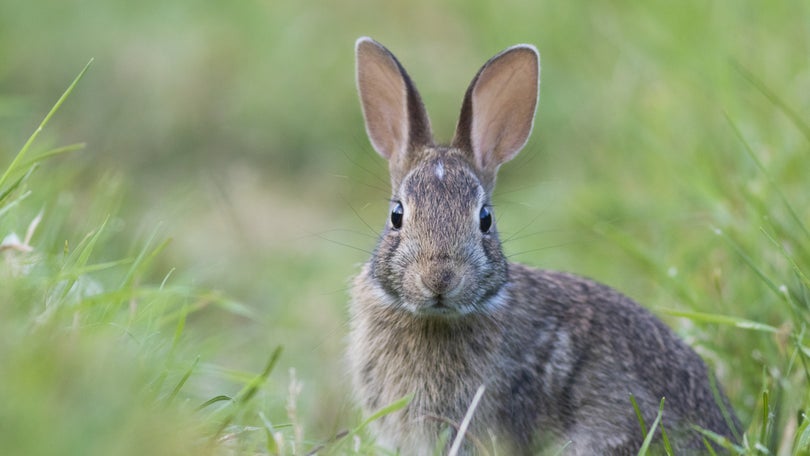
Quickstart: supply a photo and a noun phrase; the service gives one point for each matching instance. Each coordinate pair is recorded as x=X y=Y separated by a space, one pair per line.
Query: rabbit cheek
x=386 y=270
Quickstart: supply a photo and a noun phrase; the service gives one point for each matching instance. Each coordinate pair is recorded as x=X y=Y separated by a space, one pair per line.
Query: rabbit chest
x=440 y=362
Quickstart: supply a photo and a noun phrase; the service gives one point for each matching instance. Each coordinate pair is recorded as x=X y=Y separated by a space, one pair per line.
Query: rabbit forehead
x=442 y=181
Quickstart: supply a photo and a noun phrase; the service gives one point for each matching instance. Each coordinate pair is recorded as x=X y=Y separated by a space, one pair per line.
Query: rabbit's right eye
x=396 y=216
x=485 y=222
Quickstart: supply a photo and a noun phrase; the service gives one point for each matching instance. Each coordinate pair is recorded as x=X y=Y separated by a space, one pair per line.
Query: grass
x=93 y=349
x=227 y=192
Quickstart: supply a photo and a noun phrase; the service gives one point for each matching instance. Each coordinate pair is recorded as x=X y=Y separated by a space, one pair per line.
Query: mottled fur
x=438 y=311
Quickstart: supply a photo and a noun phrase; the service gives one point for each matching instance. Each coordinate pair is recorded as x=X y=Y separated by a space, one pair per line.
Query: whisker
x=510 y=190
x=363 y=168
x=515 y=237
x=351 y=206
x=540 y=249
x=523 y=228
x=343 y=244
x=350 y=231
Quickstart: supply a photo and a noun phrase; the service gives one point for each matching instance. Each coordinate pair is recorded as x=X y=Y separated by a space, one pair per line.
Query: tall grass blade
x=702 y=317
x=52 y=153
x=787 y=256
x=465 y=423
x=214 y=400
x=182 y=381
x=22 y=153
x=766 y=417
x=777 y=101
x=77 y=260
x=397 y=405
x=709 y=448
x=750 y=151
x=721 y=441
x=665 y=440
x=749 y=261
x=143 y=258
x=248 y=391
x=801 y=446
x=7 y=192
x=718 y=399
x=645 y=446
x=639 y=417
x=13 y=203
x=642 y=254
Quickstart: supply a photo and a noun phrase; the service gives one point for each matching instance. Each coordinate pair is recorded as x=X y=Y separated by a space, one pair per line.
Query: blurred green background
x=233 y=128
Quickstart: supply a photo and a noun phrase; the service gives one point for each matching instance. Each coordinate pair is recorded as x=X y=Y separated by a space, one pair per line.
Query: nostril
x=441 y=281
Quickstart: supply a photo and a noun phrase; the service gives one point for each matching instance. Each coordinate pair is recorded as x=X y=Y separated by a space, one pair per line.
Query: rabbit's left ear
x=396 y=121
x=498 y=110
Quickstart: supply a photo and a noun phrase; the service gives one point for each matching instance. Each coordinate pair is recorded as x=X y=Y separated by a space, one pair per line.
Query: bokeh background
x=233 y=128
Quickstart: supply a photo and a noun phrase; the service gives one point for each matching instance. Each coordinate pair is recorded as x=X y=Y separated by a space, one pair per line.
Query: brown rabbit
x=438 y=311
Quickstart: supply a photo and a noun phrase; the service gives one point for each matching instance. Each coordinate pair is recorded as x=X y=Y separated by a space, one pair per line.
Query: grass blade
x=787 y=256
x=7 y=192
x=53 y=153
x=250 y=390
x=645 y=446
x=797 y=119
x=702 y=317
x=795 y=216
x=638 y=414
x=801 y=446
x=718 y=399
x=143 y=258
x=182 y=381
x=214 y=400
x=21 y=154
x=397 y=405
x=766 y=413
x=749 y=261
x=720 y=440
x=465 y=423
x=643 y=256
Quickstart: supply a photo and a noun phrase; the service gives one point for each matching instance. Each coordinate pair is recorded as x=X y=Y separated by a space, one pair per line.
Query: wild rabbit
x=438 y=311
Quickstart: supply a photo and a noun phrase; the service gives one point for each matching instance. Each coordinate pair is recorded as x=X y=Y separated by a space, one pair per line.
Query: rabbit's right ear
x=497 y=114
x=396 y=120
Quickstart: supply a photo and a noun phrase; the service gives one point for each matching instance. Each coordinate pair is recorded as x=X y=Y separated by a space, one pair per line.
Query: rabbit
x=438 y=311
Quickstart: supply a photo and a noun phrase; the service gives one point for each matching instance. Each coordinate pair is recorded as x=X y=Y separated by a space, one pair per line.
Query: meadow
x=177 y=239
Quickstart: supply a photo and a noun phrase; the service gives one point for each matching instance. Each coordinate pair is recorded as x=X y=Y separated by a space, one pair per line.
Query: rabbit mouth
x=437 y=307
x=441 y=306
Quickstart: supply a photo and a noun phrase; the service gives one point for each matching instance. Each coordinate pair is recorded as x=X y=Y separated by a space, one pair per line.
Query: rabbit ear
x=498 y=110
x=396 y=120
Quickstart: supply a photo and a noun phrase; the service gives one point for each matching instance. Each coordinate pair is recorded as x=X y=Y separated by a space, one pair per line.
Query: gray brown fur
x=438 y=311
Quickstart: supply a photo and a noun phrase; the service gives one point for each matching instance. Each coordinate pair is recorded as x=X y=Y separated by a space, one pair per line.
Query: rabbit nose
x=441 y=280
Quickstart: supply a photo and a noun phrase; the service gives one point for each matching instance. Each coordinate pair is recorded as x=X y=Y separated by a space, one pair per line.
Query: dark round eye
x=396 y=216
x=485 y=218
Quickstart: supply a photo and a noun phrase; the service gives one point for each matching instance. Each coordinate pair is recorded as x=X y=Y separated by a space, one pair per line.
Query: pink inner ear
x=503 y=103
x=383 y=96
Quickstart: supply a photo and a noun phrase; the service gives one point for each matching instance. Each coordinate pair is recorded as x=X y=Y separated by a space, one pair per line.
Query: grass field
x=201 y=198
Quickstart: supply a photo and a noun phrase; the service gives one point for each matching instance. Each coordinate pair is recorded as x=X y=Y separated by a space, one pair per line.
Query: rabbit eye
x=396 y=216
x=485 y=219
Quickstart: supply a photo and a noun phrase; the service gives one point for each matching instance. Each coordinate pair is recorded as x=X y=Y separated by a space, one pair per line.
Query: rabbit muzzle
x=438 y=288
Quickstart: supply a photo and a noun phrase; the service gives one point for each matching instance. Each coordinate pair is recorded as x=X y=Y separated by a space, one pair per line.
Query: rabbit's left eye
x=396 y=216
x=485 y=219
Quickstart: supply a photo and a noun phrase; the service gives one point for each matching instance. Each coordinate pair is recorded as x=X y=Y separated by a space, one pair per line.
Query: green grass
x=93 y=349
x=217 y=191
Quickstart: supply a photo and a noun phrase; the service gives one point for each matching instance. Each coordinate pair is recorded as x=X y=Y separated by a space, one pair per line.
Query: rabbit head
x=439 y=254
